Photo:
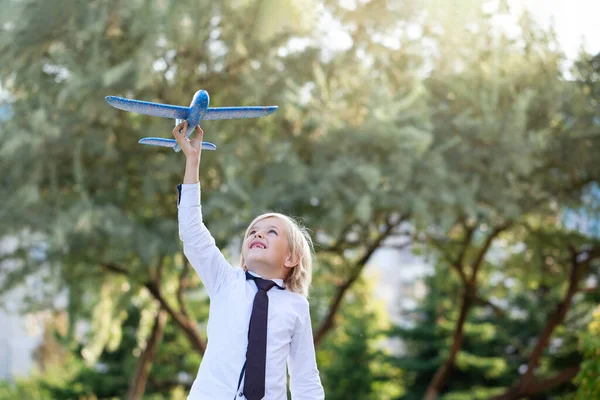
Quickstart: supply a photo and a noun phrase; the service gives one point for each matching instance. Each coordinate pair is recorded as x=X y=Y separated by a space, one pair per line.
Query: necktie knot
x=262 y=284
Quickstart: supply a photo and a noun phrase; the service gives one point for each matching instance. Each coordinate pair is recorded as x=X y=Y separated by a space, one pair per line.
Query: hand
x=191 y=148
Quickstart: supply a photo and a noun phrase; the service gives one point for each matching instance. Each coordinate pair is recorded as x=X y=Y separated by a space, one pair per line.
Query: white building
x=20 y=335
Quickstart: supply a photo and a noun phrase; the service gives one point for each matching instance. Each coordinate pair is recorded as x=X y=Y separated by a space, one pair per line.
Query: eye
x=252 y=232
x=273 y=231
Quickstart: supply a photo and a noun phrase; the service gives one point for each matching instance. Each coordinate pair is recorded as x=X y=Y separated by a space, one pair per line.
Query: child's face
x=267 y=246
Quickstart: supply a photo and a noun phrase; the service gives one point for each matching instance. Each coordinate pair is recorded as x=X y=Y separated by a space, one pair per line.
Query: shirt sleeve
x=198 y=244
x=305 y=383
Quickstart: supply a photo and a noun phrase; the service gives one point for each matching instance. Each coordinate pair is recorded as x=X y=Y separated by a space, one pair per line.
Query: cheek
x=283 y=247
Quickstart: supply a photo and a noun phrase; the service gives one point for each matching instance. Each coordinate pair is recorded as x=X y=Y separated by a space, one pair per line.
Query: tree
x=480 y=370
x=501 y=149
x=525 y=338
x=96 y=211
x=565 y=260
x=351 y=358
x=465 y=143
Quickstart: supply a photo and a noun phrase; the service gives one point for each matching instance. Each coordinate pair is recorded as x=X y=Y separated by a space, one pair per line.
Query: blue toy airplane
x=196 y=112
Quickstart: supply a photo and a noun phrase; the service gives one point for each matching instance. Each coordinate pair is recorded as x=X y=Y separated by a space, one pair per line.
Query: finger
x=199 y=131
x=177 y=130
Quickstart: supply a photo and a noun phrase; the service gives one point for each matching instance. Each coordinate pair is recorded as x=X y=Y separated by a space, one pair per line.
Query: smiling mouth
x=257 y=246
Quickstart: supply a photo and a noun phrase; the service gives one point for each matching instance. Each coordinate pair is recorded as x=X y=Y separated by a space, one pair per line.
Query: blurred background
x=444 y=154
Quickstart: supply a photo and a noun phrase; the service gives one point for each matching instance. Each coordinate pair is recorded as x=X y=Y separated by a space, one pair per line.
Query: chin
x=255 y=260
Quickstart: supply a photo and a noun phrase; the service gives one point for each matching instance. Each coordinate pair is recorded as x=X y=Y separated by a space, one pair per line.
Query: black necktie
x=256 y=355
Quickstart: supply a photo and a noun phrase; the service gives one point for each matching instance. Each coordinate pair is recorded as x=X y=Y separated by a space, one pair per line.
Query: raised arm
x=198 y=244
x=305 y=383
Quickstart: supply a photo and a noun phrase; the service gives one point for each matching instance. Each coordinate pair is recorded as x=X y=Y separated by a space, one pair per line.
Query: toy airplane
x=196 y=112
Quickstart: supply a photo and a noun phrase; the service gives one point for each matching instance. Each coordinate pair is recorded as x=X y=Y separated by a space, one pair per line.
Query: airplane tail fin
x=153 y=141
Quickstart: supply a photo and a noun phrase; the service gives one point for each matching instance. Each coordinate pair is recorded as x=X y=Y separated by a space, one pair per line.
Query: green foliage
x=59 y=381
x=104 y=204
x=351 y=361
x=587 y=379
x=108 y=376
x=26 y=389
x=426 y=336
x=498 y=341
x=481 y=132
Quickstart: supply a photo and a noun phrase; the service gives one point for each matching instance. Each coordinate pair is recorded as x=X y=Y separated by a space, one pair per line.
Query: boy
x=259 y=317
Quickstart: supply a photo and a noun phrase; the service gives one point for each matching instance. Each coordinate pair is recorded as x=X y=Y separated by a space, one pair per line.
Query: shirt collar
x=279 y=282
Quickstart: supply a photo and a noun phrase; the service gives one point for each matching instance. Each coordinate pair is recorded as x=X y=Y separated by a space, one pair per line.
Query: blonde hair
x=301 y=247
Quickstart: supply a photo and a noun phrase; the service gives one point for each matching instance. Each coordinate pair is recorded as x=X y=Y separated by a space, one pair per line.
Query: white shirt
x=289 y=332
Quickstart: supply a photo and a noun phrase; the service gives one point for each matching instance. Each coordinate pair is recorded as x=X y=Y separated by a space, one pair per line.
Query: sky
x=575 y=21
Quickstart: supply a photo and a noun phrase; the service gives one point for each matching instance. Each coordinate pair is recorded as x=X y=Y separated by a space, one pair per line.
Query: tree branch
x=156 y=272
x=115 y=268
x=555 y=319
x=453 y=264
x=159 y=268
x=579 y=264
x=328 y=321
x=188 y=326
x=555 y=380
x=541 y=385
x=468 y=298
x=497 y=310
x=182 y=285
x=400 y=246
x=476 y=264
x=442 y=373
x=465 y=245
x=137 y=384
x=591 y=289
x=337 y=244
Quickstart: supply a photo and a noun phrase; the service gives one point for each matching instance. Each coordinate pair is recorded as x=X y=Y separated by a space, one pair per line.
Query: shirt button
x=240 y=394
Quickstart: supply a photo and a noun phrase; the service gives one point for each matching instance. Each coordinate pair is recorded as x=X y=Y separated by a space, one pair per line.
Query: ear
x=291 y=261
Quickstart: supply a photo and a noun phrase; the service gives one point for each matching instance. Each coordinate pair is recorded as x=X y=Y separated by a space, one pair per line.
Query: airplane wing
x=153 y=141
x=148 y=108
x=238 y=112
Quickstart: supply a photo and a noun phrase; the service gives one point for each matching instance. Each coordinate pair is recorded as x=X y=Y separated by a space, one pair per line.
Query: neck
x=268 y=272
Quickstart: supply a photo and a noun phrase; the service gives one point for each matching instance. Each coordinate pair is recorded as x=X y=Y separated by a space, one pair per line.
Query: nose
x=259 y=234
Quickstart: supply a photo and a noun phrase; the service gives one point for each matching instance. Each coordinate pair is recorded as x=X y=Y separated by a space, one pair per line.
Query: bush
x=587 y=379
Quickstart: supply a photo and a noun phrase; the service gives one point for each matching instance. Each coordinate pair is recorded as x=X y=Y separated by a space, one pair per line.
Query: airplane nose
x=201 y=94
x=201 y=98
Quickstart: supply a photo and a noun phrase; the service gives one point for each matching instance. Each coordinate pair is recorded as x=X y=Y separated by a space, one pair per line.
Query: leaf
x=364 y=209
x=118 y=73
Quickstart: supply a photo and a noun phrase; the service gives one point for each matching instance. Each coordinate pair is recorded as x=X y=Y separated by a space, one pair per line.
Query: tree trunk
x=436 y=384
x=329 y=321
x=137 y=385
x=527 y=385
x=469 y=298
x=542 y=385
x=187 y=324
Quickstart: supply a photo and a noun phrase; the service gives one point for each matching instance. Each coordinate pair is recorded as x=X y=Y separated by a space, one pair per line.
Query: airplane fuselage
x=198 y=108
